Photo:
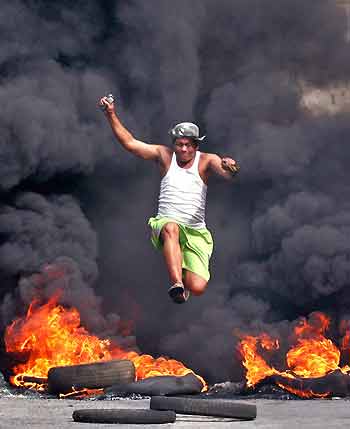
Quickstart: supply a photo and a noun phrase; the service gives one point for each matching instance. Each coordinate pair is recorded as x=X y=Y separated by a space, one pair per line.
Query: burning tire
x=205 y=407
x=124 y=416
x=159 y=386
x=62 y=379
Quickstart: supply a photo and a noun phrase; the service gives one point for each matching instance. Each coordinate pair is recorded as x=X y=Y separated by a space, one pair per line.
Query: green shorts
x=196 y=245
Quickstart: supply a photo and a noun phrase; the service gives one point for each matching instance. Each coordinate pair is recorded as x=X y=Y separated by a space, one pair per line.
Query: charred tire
x=62 y=379
x=159 y=386
x=123 y=416
x=205 y=407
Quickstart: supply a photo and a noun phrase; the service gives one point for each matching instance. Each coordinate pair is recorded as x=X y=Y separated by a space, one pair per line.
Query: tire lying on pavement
x=160 y=385
x=123 y=416
x=62 y=379
x=205 y=407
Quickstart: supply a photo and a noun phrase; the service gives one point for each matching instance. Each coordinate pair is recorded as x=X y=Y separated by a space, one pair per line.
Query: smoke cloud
x=238 y=69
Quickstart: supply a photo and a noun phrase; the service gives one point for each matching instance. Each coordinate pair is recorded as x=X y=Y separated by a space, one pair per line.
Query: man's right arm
x=126 y=139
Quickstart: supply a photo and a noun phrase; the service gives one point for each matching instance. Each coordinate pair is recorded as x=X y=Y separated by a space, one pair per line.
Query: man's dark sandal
x=178 y=293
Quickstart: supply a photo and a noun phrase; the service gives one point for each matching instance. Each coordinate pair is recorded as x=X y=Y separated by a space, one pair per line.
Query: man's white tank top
x=183 y=194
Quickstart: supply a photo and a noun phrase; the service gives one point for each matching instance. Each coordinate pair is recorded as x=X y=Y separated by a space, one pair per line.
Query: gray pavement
x=19 y=413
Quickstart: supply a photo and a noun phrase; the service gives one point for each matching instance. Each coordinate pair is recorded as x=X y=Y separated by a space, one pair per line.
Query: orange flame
x=313 y=355
x=302 y=393
x=51 y=335
x=256 y=366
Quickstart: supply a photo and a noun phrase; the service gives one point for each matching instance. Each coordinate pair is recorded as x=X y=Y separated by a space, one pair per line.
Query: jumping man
x=179 y=228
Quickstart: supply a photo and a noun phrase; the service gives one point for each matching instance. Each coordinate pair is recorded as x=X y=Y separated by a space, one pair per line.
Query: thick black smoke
x=50 y=249
x=238 y=68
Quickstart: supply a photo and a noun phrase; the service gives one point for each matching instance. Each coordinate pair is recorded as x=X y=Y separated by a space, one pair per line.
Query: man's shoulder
x=207 y=156
x=165 y=149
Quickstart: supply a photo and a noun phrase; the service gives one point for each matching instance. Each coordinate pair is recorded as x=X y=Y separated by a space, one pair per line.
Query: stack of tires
x=163 y=409
x=118 y=376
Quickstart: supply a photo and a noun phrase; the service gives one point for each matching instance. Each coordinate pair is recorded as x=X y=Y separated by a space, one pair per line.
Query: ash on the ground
x=239 y=390
x=118 y=396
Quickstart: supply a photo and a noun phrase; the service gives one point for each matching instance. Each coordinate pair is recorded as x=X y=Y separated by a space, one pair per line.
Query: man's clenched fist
x=106 y=105
x=229 y=164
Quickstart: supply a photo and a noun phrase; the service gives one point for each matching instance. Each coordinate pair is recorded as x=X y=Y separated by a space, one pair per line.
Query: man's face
x=185 y=149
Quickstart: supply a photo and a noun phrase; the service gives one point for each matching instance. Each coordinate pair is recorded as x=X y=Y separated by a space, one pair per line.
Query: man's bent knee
x=198 y=288
x=197 y=285
x=170 y=231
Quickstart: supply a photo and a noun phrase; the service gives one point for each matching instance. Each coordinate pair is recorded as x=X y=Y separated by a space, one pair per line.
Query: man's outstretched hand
x=229 y=164
x=106 y=106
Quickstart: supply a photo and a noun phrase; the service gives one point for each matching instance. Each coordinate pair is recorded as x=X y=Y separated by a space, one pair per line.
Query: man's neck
x=185 y=164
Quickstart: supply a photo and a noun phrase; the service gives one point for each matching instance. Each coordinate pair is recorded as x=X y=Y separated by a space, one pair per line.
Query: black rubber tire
x=205 y=407
x=123 y=416
x=160 y=385
x=62 y=379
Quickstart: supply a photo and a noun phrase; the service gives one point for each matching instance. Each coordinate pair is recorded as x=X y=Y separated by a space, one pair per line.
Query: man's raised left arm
x=225 y=167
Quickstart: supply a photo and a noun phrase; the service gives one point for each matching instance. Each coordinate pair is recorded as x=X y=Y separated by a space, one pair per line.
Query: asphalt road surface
x=18 y=413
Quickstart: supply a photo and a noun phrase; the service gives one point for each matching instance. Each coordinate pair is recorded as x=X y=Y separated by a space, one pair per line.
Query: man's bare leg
x=172 y=251
x=173 y=260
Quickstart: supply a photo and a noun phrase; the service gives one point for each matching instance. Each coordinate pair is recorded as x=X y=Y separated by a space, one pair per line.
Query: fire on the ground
x=51 y=335
x=312 y=356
